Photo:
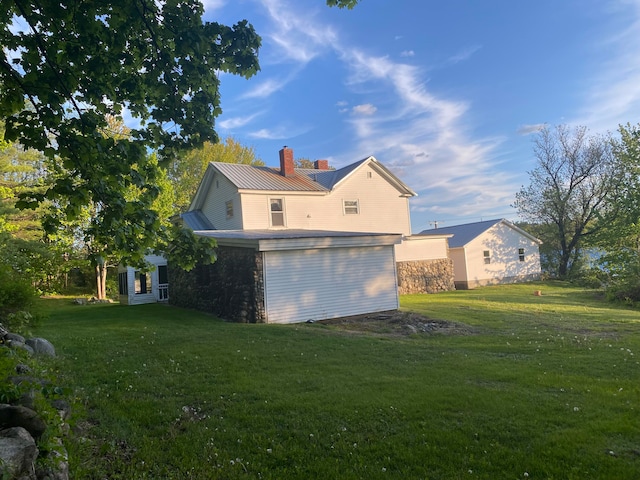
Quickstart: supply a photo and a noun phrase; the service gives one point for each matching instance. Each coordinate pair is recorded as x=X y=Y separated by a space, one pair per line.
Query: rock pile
x=21 y=426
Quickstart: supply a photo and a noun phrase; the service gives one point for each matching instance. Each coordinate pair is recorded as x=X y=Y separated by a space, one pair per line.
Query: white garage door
x=303 y=285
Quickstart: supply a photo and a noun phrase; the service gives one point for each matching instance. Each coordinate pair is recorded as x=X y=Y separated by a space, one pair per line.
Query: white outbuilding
x=491 y=252
x=136 y=287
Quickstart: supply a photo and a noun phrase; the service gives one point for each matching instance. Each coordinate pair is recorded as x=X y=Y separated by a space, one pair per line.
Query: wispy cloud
x=279 y=132
x=236 y=122
x=464 y=54
x=213 y=5
x=268 y=134
x=529 y=129
x=407 y=53
x=266 y=88
x=419 y=133
x=297 y=37
x=613 y=96
x=364 y=109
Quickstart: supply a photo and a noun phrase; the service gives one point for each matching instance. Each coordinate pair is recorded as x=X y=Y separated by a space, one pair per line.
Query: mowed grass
x=544 y=388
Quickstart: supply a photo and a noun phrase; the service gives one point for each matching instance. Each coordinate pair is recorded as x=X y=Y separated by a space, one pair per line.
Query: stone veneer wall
x=231 y=288
x=425 y=276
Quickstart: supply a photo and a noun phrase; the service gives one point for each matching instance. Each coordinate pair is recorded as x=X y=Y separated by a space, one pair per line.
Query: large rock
x=41 y=346
x=14 y=337
x=20 y=416
x=18 y=453
x=19 y=345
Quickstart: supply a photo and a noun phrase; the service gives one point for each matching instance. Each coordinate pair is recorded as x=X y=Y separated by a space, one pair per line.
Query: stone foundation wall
x=425 y=276
x=232 y=288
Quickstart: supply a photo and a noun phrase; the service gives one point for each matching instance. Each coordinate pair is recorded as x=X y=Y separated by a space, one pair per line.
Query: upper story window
x=487 y=256
x=351 y=207
x=276 y=207
x=521 y=254
x=229 y=207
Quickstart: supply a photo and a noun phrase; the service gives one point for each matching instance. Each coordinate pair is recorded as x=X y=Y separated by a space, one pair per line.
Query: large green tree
x=20 y=169
x=77 y=62
x=573 y=193
x=619 y=242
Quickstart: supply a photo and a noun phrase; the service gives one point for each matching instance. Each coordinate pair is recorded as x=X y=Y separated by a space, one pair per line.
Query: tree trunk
x=101 y=281
x=563 y=267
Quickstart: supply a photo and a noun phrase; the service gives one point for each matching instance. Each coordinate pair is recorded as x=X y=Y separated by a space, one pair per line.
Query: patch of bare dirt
x=397 y=323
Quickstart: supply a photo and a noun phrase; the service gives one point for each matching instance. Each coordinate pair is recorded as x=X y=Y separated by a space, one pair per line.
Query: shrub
x=591 y=277
x=19 y=322
x=15 y=292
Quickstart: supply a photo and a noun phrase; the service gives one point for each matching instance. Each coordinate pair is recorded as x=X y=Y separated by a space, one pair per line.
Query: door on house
x=163 y=283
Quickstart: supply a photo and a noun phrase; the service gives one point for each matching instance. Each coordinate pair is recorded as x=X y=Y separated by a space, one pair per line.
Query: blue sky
x=448 y=95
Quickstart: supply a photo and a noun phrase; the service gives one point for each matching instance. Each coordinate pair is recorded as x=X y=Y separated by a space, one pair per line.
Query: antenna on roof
x=435 y=224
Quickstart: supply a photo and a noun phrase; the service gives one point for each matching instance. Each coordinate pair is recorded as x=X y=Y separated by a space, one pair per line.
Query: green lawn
x=544 y=388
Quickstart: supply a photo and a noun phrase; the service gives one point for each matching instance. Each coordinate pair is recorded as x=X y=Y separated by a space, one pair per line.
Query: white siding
x=303 y=285
x=256 y=212
x=503 y=243
x=141 y=298
x=381 y=208
x=215 y=209
x=457 y=256
x=425 y=248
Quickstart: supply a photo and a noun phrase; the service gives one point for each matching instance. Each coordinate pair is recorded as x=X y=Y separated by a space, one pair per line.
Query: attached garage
x=316 y=284
x=314 y=275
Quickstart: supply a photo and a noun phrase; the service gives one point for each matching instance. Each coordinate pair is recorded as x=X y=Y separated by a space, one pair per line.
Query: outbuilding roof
x=463 y=234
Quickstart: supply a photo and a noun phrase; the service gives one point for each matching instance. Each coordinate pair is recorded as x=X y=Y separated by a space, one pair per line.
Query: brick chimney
x=321 y=164
x=286 y=162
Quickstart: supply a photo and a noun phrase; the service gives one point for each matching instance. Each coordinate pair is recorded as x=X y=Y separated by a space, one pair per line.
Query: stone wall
x=425 y=276
x=232 y=288
x=29 y=427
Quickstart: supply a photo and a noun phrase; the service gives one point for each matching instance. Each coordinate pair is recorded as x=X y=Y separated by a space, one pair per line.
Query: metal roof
x=268 y=179
x=272 y=240
x=196 y=220
x=249 y=177
x=463 y=234
x=266 y=234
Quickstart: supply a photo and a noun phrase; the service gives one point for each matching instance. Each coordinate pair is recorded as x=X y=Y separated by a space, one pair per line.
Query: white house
x=136 y=287
x=318 y=243
x=491 y=252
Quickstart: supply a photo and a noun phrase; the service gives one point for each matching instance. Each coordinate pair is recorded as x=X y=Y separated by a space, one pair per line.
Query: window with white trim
x=276 y=208
x=487 y=257
x=521 y=254
x=351 y=207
